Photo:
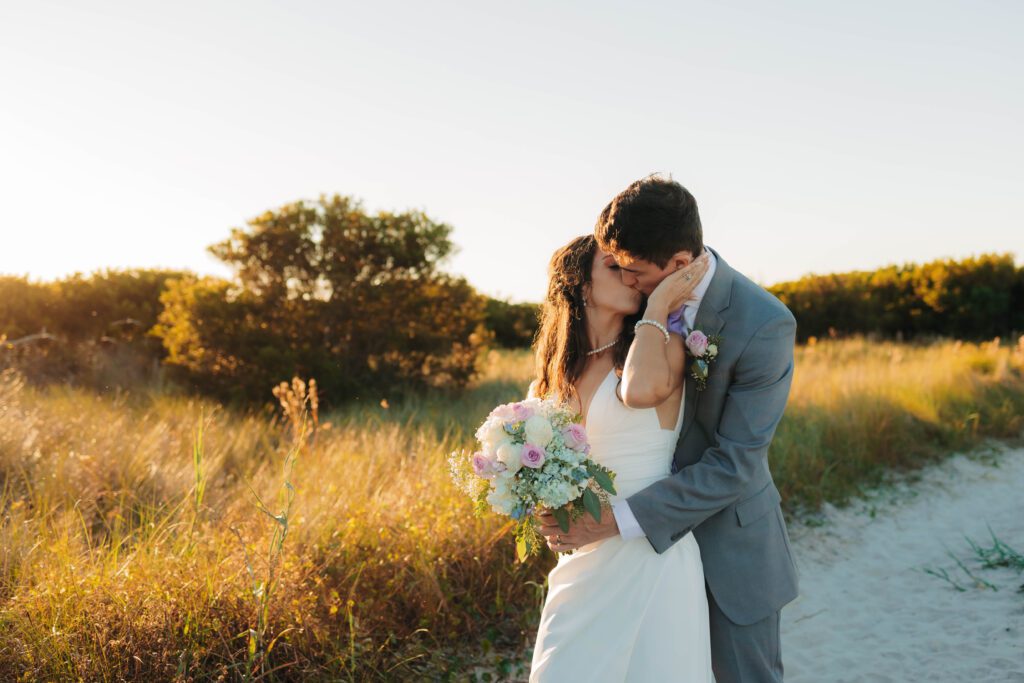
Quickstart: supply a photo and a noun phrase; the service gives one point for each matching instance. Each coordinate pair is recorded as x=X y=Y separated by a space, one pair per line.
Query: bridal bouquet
x=533 y=454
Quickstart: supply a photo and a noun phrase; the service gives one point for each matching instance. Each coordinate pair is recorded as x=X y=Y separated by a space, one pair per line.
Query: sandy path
x=867 y=610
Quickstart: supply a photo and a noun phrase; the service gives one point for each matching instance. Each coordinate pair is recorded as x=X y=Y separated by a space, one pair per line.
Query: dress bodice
x=629 y=441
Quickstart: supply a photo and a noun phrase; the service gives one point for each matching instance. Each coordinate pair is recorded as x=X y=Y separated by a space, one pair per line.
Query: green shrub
x=513 y=325
x=976 y=298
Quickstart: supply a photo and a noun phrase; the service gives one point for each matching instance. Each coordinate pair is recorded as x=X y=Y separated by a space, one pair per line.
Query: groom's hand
x=581 y=532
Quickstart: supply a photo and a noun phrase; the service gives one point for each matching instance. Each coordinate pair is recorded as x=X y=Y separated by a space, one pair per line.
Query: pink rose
x=532 y=456
x=521 y=412
x=575 y=436
x=697 y=343
x=483 y=466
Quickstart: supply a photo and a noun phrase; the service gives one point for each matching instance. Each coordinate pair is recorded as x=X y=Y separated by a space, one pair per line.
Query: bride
x=616 y=610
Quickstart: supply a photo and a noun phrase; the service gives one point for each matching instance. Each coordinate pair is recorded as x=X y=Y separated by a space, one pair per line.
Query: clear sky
x=816 y=136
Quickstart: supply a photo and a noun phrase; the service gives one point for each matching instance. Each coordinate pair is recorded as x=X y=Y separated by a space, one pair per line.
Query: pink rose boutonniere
x=704 y=350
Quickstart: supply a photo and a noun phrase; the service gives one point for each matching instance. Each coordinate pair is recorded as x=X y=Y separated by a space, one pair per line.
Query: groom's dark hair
x=652 y=219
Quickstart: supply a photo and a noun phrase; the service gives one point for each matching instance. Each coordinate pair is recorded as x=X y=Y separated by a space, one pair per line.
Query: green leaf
x=592 y=504
x=603 y=480
x=562 y=516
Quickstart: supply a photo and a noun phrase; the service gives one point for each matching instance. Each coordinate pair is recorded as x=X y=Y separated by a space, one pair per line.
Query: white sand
x=867 y=610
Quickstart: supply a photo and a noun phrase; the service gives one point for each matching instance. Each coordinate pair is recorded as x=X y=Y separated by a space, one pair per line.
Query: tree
x=326 y=290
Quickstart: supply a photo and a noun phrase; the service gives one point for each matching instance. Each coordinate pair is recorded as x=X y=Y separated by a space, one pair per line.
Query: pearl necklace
x=599 y=349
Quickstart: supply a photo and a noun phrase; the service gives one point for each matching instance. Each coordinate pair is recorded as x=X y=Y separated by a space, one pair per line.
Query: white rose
x=712 y=350
x=538 y=431
x=509 y=453
x=492 y=434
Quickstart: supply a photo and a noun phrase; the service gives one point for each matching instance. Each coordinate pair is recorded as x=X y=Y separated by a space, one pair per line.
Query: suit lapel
x=709 y=321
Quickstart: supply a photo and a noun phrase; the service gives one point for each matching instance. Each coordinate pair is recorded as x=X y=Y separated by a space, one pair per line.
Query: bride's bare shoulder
x=532 y=392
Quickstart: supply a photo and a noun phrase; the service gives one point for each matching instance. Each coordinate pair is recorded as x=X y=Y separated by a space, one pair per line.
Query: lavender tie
x=676 y=322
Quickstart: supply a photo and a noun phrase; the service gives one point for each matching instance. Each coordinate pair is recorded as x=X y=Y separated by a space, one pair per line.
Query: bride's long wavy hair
x=561 y=343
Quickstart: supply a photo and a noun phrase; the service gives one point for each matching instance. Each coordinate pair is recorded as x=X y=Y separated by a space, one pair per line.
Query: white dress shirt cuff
x=628 y=526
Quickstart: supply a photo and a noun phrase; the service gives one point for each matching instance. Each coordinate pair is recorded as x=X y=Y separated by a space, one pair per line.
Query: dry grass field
x=153 y=536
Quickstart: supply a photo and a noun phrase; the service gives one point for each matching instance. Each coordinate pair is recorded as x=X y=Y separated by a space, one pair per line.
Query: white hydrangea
x=535 y=404
x=501 y=499
x=572 y=456
x=556 y=493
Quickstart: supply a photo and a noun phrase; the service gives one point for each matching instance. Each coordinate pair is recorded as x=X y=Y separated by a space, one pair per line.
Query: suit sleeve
x=755 y=400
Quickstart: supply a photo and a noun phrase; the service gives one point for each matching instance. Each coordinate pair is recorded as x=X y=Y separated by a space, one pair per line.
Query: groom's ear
x=680 y=259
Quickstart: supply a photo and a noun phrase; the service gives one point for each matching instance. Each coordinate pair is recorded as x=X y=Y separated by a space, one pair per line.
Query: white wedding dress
x=617 y=610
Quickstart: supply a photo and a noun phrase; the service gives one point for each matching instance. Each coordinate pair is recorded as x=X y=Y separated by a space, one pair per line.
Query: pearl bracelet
x=655 y=323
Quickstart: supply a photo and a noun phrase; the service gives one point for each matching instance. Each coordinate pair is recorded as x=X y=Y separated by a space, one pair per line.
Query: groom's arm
x=669 y=508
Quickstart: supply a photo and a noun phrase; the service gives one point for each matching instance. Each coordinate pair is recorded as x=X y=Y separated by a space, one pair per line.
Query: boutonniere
x=704 y=350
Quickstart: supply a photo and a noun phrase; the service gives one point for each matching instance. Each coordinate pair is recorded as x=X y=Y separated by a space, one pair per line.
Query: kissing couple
x=681 y=368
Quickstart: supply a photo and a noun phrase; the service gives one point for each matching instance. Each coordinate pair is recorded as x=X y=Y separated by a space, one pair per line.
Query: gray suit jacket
x=721 y=488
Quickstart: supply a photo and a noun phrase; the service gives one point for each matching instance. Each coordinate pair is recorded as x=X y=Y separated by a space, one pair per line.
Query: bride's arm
x=654 y=367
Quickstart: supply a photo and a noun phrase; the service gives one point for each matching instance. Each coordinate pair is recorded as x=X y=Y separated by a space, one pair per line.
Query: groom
x=721 y=488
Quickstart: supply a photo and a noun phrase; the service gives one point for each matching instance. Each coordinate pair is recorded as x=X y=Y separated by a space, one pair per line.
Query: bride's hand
x=677 y=288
